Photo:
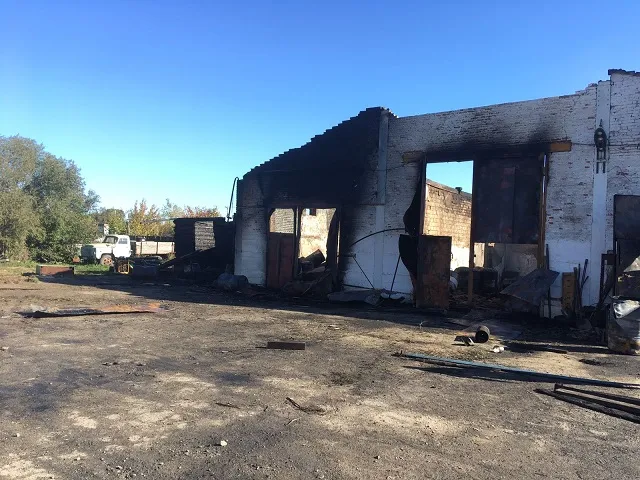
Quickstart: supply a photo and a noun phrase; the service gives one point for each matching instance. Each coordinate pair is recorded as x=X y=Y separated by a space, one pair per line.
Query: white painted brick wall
x=623 y=166
x=569 y=195
x=570 y=189
x=251 y=234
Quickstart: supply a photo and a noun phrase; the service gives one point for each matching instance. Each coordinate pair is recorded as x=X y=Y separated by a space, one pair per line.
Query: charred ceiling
x=330 y=170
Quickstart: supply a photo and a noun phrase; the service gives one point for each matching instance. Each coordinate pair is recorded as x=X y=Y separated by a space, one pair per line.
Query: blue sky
x=174 y=99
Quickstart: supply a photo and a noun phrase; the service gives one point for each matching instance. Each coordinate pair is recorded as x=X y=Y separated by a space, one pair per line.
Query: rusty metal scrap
x=77 y=312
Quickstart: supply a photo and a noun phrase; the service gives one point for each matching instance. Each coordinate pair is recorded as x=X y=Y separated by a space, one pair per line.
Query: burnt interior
x=333 y=171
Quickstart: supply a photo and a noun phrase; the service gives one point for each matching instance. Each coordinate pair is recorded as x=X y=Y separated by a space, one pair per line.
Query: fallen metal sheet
x=451 y=362
x=533 y=287
x=584 y=403
x=77 y=312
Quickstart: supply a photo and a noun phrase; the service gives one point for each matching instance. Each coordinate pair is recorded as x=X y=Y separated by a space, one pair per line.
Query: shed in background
x=195 y=234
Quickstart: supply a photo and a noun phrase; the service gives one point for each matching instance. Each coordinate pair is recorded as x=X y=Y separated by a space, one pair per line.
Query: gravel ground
x=155 y=395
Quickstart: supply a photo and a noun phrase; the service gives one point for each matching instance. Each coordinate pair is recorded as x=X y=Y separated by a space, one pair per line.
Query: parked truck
x=121 y=246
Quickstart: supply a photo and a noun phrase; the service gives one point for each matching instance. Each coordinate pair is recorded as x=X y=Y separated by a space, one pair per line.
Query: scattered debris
x=623 y=327
x=4 y=349
x=468 y=341
x=232 y=283
x=476 y=319
x=482 y=334
x=592 y=361
x=17 y=435
x=291 y=421
x=227 y=404
x=221 y=443
x=76 y=312
x=533 y=287
x=497 y=349
x=311 y=409
x=372 y=297
x=333 y=327
x=287 y=345
x=451 y=362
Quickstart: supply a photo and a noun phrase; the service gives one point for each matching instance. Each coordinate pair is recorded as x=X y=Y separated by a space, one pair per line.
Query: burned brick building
x=545 y=174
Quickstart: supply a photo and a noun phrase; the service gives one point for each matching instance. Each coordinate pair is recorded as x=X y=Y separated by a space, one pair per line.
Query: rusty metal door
x=434 y=264
x=280 y=259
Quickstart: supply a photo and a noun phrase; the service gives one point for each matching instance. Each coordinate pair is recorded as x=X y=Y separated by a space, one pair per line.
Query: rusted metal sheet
x=626 y=217
x=532 y=288
x=280 y=259
x=507 y=200
x=54 y=270
x=434 y=264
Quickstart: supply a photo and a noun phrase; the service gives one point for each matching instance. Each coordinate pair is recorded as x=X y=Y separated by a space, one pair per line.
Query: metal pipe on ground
x=614 y=412
x=549 y=377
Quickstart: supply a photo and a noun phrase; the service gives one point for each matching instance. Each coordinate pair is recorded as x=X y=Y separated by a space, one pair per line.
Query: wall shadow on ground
x=173 y=290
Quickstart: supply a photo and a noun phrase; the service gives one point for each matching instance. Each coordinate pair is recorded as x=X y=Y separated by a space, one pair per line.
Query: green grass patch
x=17 y=268
x=91 y=269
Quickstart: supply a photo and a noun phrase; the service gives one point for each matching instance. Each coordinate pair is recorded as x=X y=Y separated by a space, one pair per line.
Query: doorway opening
x=487 y=216
x=303 y=250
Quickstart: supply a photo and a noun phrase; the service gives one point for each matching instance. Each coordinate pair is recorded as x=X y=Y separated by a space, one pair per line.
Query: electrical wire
x=375 y=233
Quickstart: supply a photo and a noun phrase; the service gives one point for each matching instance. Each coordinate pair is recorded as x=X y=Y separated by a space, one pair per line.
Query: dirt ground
x=154 y=395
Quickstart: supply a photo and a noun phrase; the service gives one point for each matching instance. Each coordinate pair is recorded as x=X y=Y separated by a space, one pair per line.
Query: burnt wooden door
x=434 y=271
x=280 y=259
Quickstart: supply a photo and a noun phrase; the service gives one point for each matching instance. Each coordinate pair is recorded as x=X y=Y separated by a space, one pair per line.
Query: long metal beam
x=550 y=377
x=584 y=403
x=610 y=396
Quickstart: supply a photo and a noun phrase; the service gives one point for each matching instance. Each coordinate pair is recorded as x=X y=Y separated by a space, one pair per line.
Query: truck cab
x=105 y=252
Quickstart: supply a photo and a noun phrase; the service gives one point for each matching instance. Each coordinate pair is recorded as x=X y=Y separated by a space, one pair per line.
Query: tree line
x=46 y=209
x=145 y=220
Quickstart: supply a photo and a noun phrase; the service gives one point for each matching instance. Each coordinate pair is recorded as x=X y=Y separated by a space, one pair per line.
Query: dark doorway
x=281 y=247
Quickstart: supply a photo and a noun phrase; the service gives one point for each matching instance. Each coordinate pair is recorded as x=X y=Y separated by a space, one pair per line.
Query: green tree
x=201 y=212
x=144 y=220
x=169 y=211
x=18 y=220
x=18 y=159
x=63 y=208
x=44 y=208
x=114 y=217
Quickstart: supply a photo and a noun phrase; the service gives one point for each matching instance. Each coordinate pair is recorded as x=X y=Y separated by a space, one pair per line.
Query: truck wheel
x=106 y=259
